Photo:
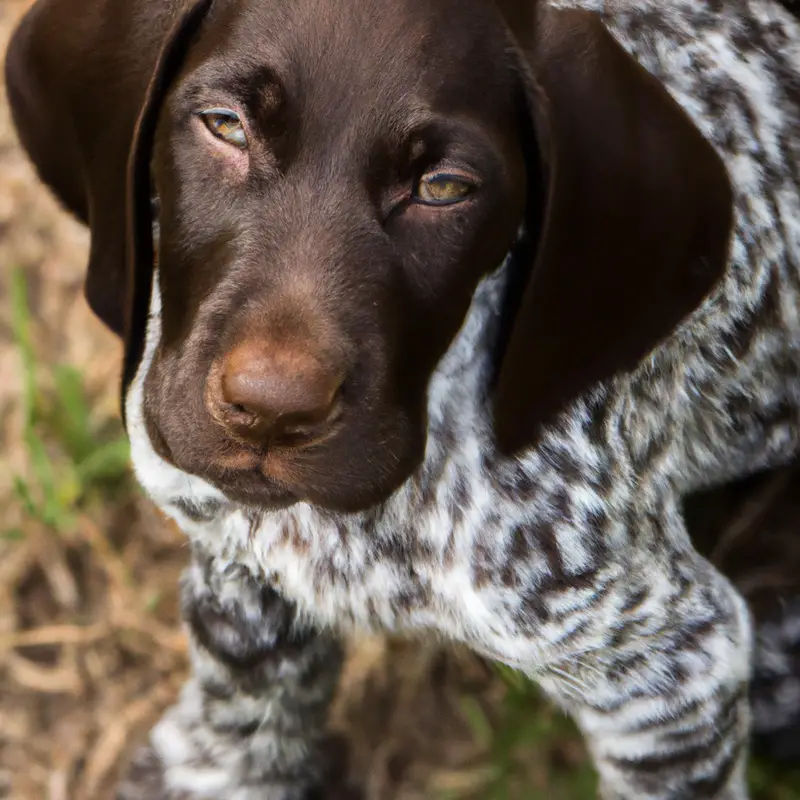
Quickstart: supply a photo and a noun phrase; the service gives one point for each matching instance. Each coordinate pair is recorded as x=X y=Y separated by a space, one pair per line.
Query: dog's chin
x=256 y=492
x=337 y=474
x=265 y=483
x=262 y=493
x=276 y=482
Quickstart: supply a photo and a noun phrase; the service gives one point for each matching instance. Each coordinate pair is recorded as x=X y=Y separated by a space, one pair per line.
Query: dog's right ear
x=78 y=74
x=635 y=230
x=521 y=17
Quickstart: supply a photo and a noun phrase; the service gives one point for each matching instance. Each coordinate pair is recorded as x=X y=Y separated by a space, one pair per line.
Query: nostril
x=241 y=410
x=299 y=426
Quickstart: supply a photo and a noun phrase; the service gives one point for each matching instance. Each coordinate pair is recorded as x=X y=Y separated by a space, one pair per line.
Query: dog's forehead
x=378 y=49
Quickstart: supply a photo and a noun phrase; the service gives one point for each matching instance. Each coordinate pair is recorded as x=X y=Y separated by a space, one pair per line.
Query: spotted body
x=571 y=562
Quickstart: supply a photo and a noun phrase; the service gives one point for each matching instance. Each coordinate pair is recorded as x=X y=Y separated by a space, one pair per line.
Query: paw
x=240 y=621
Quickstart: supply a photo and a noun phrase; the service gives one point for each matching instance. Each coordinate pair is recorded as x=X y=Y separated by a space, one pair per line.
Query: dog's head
x=330 y=180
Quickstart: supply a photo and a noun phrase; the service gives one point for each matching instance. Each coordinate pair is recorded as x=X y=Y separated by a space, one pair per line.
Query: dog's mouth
x=265 y=477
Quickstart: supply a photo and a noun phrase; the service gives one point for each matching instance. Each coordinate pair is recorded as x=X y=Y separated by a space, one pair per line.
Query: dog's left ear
x=86 y=79
x=140 y=257
x=635 y=227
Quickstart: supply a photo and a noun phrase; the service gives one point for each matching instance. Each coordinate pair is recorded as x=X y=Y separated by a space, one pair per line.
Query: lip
x=254 y=489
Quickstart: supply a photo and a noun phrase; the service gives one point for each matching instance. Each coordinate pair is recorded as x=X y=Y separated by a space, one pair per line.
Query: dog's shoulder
x=734 y=66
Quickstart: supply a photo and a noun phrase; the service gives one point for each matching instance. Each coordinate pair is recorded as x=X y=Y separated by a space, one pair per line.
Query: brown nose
x=265 y=391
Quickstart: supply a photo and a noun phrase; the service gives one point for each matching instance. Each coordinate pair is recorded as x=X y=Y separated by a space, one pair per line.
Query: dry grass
x=91 y=650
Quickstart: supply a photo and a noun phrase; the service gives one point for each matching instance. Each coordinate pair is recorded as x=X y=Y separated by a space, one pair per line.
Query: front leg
x=663 y=701
x=250 y=722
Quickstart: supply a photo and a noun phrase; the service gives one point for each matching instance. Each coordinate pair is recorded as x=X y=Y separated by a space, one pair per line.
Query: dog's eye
x=226 y=125
x=442 y=189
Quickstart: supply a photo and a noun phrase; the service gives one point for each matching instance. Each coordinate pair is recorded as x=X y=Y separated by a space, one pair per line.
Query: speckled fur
x=573 y=562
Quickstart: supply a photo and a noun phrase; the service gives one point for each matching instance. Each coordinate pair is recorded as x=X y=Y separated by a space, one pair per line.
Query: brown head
x=333 y=178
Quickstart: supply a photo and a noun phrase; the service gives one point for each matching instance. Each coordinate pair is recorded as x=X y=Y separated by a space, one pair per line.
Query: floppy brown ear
x=139 y=255
x=79 y=74
x=636 y=228
x=521 y=18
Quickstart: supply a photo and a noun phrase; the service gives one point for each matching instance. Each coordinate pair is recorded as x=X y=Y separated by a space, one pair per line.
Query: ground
x=91 y=649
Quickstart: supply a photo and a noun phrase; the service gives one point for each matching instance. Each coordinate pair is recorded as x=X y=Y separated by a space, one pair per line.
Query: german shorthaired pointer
x=433 y=312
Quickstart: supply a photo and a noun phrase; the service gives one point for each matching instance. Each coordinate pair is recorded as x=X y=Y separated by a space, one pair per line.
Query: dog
x=433 y=313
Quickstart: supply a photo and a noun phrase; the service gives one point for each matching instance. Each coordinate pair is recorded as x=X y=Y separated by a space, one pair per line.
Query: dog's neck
x=460 y=387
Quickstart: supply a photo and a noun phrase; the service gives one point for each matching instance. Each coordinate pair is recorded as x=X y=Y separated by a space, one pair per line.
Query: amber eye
x=226 y=125
x=442 y=189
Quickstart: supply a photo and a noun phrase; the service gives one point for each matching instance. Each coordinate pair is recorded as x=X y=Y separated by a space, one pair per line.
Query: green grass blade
x=21 y=326
x=477 y=720
x=45 y=477
x=71 y=418
x=107 y=463
x=23 y=492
